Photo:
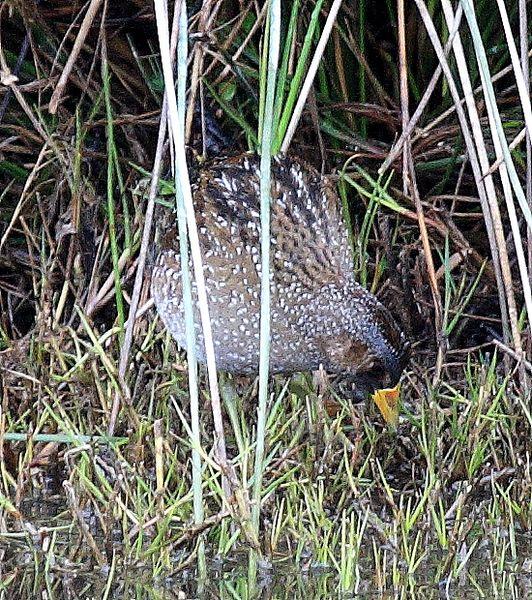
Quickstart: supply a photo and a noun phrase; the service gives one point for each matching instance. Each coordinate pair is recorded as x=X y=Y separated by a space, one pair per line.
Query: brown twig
x=520 y=360
x=87 y=535
x=197 y=65
x=84 y=29
x=409 y=127
x=403 y=79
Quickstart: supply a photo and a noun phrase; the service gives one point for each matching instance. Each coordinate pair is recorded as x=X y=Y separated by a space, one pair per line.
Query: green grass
x=413 y=508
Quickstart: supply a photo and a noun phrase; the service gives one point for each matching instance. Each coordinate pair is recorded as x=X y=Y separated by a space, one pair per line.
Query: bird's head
x=372 y=352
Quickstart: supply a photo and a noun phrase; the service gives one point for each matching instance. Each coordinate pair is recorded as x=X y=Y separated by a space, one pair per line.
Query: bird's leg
x=326 y=400
x=320 y=381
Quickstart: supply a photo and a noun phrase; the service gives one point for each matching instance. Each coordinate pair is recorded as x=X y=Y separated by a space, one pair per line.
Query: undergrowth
x=442 y=504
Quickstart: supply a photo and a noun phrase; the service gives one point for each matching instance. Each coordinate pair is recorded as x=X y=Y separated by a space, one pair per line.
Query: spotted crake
x=319 y=314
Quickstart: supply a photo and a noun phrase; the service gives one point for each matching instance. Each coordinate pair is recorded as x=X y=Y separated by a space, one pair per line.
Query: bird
x=321 y=317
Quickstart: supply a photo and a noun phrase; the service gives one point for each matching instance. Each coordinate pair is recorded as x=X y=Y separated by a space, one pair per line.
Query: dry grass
x=443 y=505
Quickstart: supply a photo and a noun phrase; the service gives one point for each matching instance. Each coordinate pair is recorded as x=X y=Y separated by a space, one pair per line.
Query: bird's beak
x=388 y=402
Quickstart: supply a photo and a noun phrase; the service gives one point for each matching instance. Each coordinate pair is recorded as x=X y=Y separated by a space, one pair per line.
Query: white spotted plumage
x=314 y=294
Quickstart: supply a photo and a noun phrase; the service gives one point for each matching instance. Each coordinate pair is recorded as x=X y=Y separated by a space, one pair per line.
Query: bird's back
x=308 y=236
x=309 y=251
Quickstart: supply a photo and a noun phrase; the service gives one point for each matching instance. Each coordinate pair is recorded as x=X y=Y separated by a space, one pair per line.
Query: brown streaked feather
x=319 y=314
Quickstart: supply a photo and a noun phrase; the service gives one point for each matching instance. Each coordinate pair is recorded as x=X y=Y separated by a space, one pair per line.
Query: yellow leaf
x=388 y=402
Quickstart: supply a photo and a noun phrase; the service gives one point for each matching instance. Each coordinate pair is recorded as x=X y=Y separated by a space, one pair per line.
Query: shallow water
x=42 y=562
x=282 y=583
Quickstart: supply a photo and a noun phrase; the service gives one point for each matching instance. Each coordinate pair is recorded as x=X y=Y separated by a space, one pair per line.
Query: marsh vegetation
x=96 y=428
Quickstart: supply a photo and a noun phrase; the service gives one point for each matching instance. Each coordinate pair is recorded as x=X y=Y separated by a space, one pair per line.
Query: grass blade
x=265 y=201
